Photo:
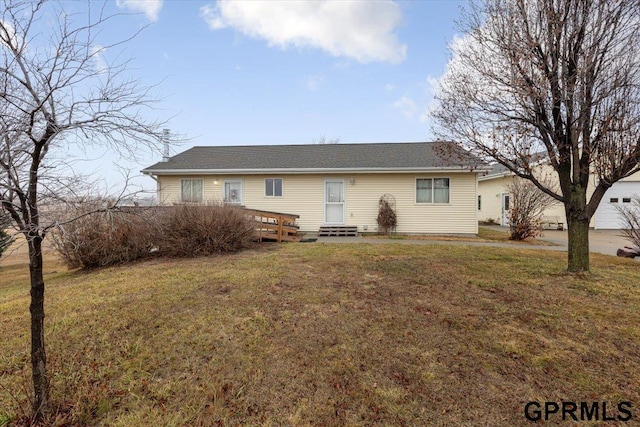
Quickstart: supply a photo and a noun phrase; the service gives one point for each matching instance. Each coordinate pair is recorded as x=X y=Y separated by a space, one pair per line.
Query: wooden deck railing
x=277 y=226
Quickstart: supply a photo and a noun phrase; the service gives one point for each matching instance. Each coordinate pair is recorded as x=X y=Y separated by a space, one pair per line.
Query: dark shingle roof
x=499 y=170
x=312 y=157
x=496 y=170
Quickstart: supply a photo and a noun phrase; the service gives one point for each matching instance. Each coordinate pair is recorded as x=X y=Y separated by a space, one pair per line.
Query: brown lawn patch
x=485 y=235
x=18 y=252
x=321 y=334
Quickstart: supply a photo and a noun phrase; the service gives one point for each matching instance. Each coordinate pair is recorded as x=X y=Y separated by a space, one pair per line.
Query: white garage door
x=620 y=194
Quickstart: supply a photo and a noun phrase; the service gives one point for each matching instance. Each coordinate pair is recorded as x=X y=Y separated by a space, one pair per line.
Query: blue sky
x=251 y=72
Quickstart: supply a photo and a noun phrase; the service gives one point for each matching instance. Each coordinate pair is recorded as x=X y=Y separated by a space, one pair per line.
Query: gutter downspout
x=150 y=175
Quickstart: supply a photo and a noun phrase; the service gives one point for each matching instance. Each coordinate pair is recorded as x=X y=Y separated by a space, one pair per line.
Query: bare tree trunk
x=549 y=84
x=51 y=92
x=38 y=354
x=577 y=226
x=578 y=235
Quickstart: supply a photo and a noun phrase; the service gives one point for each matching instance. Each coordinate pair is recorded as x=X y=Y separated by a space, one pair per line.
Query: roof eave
x=290 y=171
x=495 y=176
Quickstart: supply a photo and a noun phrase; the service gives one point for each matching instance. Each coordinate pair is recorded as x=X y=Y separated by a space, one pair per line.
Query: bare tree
x=387 y=218
x=561 y=77
x=57 y=89
x=630 y=216
x=528 y=204
x=5 y=239
x=324 y=140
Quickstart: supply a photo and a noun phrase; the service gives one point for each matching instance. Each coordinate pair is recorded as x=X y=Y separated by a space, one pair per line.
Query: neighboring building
x=494 y=199
x=434 y=183
x=620 y=194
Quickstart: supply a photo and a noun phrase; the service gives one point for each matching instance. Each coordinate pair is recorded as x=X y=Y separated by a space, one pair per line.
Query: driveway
x=600 y=241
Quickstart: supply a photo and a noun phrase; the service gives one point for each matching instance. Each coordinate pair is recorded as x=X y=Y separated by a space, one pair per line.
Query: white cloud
x=406 y=105
x=430 y=87
x=360 y=30
x=313 y=82
x=389 y=87
x=151 y=8
x=211 y=16
x=98 y=58
x=8 y=35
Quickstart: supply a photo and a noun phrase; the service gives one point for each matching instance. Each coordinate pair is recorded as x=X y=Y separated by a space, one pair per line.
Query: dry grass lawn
x=485 y=235
x=328 y=335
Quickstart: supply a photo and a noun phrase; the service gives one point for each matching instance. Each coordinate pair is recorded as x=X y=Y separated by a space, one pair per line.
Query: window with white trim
x=432 y=190
x=273 y=187
x=191 y=190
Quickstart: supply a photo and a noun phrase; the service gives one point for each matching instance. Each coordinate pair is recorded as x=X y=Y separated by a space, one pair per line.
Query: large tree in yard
x=58 y=91
x=550 y=82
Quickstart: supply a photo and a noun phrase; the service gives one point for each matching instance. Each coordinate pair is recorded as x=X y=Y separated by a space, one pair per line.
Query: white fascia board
x=495 y=176
x=288 y=171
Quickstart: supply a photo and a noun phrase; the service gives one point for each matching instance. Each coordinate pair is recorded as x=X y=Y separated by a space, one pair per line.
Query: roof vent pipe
x=165 y=141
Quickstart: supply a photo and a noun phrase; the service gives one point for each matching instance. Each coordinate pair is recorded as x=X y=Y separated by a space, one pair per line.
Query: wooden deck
x=275 y=226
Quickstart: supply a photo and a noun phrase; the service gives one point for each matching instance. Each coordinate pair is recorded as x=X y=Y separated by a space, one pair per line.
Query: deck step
x=338 y=230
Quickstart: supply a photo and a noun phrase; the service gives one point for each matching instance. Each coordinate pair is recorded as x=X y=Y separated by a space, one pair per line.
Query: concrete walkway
x=600 y=241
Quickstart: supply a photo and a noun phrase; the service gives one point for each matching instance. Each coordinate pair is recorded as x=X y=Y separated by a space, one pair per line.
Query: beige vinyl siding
x=634 y=177
x=170 y=188
x=491 y=192
x=303 y=195
x=457 y=216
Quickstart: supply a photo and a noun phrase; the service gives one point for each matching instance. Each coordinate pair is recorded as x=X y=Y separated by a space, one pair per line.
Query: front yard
x=321 y=334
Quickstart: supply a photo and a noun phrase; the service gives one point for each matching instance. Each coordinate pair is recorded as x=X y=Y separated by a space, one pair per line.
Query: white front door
x=506 y=206
x=334 y=202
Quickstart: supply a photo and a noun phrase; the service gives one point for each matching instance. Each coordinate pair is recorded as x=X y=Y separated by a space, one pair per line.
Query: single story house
x=494 y=199
x=434 y=184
